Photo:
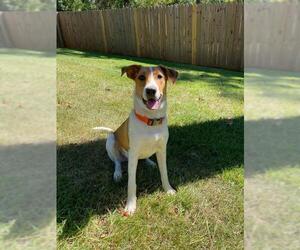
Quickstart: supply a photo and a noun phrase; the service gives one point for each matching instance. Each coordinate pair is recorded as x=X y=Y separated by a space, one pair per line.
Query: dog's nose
x=150 y=92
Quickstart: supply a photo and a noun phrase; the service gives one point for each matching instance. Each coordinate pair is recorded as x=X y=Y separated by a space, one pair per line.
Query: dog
x=145 y=131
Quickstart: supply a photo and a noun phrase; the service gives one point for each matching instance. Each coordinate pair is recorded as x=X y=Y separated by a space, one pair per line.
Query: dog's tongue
x=152 y=104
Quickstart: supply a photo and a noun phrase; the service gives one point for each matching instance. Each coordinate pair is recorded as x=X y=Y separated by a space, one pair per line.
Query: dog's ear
x=169 y=73
x=131 y=71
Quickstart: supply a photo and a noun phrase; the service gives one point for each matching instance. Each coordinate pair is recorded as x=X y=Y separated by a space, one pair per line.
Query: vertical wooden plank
x=145 y=31
x=185 y=52
x=133 y=46
x=189 y=33
x=160 y=30
x=213 y=54
x=157 y=32
x=63 y=28
x=208 y=35
x=149 y=40
x=176 y=34
x=238 y=48
x=123 y=46
x=136 y=30
x=165 y=32
x=126 y=31
x=217 y=32
x=70 y=36
x=141 y=25
x=133 y=35
x=108 y=30
x=143 y=20
x=201 y=23
x=181 y=31
x=60 y=38
x=73 y=23
x=175 y=31
x=171 y=33
x=194 y=33
x=173 y=40
x=168 y=33
x=151 y=33
x=221 y=46
x=116 y=31
x=104 y=39
x=230 y=35
x=80 y=38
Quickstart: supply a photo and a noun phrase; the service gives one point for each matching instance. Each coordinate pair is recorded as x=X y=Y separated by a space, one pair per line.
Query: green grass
x=205 y=159
x=27 y=150
x=272 y=135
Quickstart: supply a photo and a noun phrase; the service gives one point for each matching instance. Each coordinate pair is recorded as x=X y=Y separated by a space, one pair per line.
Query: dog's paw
x=171 y=191
x=117 y=176
x=130 y=208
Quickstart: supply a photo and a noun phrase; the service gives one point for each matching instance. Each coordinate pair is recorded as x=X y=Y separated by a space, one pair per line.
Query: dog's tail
x=103 y=129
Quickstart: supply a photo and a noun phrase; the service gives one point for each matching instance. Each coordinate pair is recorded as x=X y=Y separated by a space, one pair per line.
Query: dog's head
x=150 y=83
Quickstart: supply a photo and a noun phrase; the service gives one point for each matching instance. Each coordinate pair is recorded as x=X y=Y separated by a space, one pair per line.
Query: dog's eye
x=159 y=76
x=142 y=77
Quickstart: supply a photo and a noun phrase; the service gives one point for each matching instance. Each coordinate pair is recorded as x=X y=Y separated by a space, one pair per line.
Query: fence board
x=207 y=35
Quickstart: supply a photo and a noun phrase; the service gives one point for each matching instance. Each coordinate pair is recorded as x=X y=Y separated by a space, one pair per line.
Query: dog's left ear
x=131 y=71
x=169 y=73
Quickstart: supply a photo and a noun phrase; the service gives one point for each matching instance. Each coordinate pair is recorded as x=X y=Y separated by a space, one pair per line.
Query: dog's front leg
x=131 y=198
x=161 y=156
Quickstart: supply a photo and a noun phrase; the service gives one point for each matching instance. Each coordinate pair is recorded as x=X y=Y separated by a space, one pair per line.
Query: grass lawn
x=27 y=149
x=205 y=159
x=272 y=159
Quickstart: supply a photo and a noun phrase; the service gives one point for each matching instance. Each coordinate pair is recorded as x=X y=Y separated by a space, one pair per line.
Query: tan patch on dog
x=141 y=80
x=160 y=80
x=121 y=135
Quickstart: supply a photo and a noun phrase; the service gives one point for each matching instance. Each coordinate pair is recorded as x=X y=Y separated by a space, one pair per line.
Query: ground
x=272 y=176
x=205 y=159
x=27 y=149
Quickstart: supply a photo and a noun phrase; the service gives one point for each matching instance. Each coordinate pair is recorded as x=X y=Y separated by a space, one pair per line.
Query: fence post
x=194 y=33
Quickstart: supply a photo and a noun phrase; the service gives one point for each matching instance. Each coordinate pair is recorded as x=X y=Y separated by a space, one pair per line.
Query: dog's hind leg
x=150 y=163
x=115 y=156
x=118 y=171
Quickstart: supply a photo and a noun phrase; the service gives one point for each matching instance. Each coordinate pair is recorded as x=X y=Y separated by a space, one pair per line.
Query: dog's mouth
x=152 y=103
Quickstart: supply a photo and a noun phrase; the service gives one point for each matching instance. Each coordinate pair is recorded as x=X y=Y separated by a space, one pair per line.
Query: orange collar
x=148 y=121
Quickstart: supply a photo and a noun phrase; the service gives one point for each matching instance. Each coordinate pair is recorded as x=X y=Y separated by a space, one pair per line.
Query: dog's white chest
x=146 y=140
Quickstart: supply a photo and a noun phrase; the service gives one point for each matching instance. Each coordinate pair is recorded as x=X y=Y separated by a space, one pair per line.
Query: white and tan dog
x=145 y=132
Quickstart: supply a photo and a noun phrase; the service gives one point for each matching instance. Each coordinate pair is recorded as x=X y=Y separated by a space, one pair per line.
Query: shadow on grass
x=85 y=186
x=271 y=144
x=84 y=172
x=28 y=189
x=196 y=151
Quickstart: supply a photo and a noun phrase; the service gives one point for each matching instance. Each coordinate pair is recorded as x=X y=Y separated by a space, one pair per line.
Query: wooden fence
x=207 y=35
x=272 y=36
x=33 y=30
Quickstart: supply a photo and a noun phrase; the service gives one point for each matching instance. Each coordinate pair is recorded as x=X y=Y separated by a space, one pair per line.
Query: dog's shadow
x=84 y=172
